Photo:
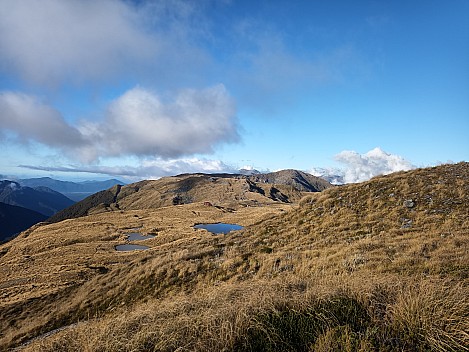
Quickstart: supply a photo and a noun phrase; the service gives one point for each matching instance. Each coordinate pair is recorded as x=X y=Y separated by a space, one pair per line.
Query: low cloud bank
x=362 y=167
x=149 y=169
x=358 y=167
x=138 y=123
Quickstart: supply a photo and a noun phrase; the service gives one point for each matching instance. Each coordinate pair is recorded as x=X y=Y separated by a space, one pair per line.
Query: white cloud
x=160 y=167
x=362 y=167
x=51 y=40
x=32 y=120
x=142 y=123
x=139 y=123
x=334 y=176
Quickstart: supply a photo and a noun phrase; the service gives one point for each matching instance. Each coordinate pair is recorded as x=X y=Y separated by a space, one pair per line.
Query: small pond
x=130 y=247
x=136 y=236
x=219 y=228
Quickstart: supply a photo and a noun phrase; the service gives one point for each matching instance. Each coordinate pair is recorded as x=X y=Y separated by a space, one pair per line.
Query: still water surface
x=130 y=247
x=136 y=236
x=219 y=228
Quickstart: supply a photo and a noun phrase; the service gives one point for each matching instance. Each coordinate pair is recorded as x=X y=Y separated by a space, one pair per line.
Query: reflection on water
x=219 y=227
x=130 y=247
x=136 y=236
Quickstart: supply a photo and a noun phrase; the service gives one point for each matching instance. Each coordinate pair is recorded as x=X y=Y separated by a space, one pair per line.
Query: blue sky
x=143 y=89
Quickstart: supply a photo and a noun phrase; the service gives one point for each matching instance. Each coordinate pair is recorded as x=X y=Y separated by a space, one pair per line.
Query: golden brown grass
x=398 y=270
x=326 y=314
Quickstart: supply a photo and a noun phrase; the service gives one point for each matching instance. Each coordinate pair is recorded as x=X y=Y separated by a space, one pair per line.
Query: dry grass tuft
x=434 y=316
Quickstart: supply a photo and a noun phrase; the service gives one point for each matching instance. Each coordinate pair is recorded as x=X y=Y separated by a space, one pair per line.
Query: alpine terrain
x=375 y=266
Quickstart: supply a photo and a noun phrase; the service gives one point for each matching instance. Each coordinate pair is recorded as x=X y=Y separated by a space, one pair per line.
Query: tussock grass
x=433 y=317
x=288 y=316
x=380 y=266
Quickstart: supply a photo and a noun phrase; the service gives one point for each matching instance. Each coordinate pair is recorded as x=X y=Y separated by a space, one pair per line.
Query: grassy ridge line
x=228 y=190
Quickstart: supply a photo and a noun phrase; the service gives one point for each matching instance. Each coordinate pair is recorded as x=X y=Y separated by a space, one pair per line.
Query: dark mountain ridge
x=104 y=198
x=41 y=199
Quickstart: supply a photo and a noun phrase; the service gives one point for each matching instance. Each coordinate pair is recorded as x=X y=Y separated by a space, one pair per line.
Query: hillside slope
x=40 y=199
x=382 y=265
x=224 y=190
x=15 y=219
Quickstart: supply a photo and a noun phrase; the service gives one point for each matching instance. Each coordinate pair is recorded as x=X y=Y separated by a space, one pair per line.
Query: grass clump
x=292 y=329
x=432 y=317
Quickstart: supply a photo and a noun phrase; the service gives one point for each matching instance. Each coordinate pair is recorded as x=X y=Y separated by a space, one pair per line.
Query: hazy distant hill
x=226 y=190
x=73 y=190
x=40 y=199
x=14 y=219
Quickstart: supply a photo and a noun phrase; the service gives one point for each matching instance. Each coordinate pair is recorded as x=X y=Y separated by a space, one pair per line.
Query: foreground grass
x=295 y=315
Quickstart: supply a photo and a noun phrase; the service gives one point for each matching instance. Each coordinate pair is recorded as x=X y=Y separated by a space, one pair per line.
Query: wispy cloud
x=149 y=169
x=264 y=60
x=170 y=43
x=51 y=40
x=361 y=167
x=139 y=123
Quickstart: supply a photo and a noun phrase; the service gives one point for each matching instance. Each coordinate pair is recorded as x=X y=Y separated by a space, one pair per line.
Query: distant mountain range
x=40 y=199
x=26 y=202
x=73 y=190
x=21 y=207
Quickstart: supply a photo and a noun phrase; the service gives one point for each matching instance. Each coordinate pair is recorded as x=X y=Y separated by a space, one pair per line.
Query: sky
x=93 y=89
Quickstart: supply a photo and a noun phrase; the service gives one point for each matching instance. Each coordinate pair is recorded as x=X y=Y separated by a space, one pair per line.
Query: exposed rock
x=409 y=203
x=406 y=223
x=177 y=200
x=275 y=194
